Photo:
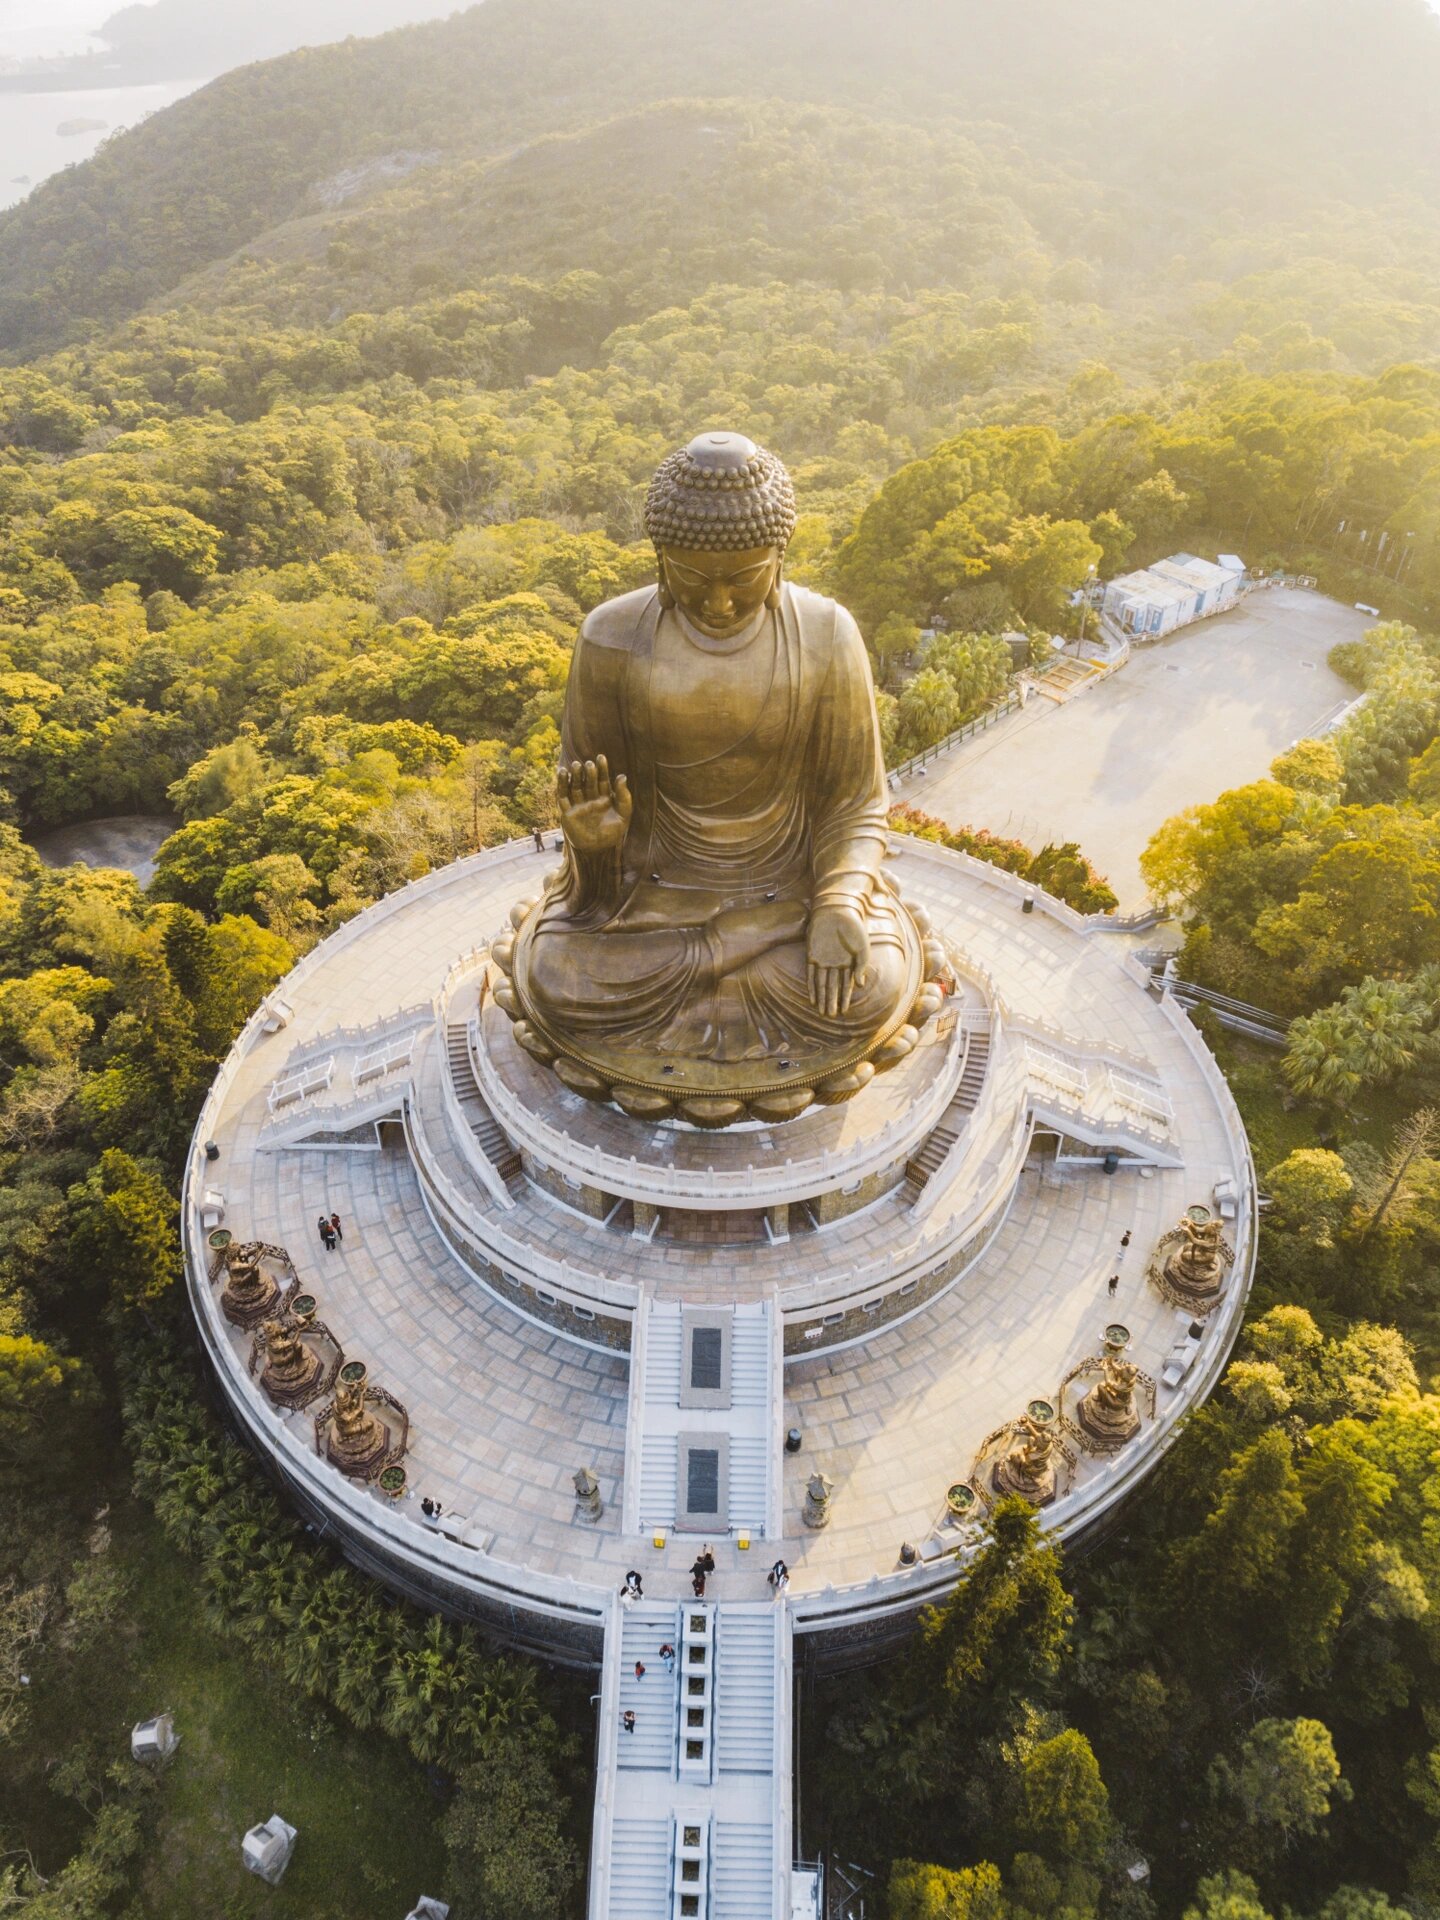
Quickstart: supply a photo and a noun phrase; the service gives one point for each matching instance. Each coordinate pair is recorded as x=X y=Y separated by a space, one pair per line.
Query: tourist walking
x=327 y=1234
x=538 y=837
x=1125 y=1239
x=1114 y=1285
x=639 y=1669
x=697 y=1578
x=335 y=1226
x=627 y=1720
x=779 y=1577
x=632 y=1590
x=667 y=1656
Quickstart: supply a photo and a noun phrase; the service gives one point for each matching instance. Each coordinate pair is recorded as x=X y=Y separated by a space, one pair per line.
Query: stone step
x=745 y=1692
x=482 y=1123
x=640 y=1870
x=972 y=1074
x=742 y=1871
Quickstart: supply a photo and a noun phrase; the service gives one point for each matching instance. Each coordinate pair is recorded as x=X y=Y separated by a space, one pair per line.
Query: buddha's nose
x=719 y=604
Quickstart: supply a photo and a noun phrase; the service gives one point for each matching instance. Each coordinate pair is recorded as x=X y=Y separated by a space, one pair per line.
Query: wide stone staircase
x=489 y=1134
x=741 y=1870
x=693 y=1808
x=644 y=1629
x=640 y=1869
x=745 y=1690
x=937 y=1144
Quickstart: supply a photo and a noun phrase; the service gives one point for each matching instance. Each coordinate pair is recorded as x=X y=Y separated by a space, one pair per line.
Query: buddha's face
x=720 y=592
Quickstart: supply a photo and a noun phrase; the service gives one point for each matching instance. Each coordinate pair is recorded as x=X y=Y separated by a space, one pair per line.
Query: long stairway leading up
x=482 y=1122
x=694 y=1823
x=932 y=1154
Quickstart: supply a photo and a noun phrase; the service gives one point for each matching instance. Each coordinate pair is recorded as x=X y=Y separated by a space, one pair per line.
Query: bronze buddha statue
x=721 y=940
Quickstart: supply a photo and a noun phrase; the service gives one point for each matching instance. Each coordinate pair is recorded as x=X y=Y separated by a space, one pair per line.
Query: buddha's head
x=720 y=513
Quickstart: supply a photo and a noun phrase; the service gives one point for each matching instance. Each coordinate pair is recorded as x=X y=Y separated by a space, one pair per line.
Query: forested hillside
x=327 y=404
x=1137 y=136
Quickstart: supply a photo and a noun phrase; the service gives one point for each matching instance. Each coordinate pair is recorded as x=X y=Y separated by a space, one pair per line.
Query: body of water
x=127 y=840
x=31 y=145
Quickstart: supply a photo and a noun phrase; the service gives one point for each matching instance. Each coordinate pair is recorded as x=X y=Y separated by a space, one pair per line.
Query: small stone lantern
x=588 y=1504
x=817 y=1500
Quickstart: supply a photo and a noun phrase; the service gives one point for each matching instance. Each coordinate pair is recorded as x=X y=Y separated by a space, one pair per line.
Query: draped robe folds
x=692 y=944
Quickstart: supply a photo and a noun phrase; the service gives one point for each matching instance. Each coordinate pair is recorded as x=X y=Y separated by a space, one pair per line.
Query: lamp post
x=1085 y=601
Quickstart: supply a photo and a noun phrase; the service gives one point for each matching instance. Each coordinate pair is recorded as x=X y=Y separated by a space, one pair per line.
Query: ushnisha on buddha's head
x=720 y=513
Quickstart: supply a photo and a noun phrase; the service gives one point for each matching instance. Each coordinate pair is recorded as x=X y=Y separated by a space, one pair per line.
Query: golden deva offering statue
x=720 y=941
x=292 y=1371
x=1028 y=1468
x=1107 y=1411
x=1194 y=1273
x=357 y=1441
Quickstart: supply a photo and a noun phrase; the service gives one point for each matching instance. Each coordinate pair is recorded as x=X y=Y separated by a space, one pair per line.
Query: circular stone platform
x=898 y=1277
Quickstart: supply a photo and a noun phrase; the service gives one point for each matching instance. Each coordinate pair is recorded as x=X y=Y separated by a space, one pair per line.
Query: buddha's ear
x=772 y=598
x=667 y=598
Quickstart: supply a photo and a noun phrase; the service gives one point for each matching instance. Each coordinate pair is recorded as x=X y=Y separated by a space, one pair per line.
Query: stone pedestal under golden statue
x=1192 y=1271
x=293 y=1372
x=721 y=941
x=1028 y=1468
x=356 y=1441
x=1107 y=1411
x=249 y=1295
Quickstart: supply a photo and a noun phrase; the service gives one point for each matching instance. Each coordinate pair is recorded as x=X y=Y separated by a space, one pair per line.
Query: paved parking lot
x=1187 y=717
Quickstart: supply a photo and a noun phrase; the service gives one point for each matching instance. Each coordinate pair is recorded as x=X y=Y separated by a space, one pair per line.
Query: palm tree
x=1368 y=1035
x=929 y=708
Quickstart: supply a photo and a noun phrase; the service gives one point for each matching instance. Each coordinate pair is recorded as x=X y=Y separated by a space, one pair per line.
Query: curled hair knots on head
x=720 y=494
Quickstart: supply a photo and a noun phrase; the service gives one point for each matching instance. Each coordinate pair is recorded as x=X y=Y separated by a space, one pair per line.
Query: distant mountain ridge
x=1189 y=110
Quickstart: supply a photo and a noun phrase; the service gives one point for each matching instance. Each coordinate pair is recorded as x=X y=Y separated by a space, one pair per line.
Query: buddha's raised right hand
x=594 y=809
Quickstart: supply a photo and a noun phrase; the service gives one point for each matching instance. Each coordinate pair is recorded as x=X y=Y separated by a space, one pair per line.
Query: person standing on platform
x=335 y=1226
x=779 y=1577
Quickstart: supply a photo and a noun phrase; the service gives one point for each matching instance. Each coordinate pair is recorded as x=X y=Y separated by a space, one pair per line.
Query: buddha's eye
x=688 y=577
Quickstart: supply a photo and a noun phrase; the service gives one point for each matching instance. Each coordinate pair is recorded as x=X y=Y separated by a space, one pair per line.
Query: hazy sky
x=30 y=27
x=60 y=26
x=48 y=26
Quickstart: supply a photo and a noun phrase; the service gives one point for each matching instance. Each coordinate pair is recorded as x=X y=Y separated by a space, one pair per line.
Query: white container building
x=1171 y=593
